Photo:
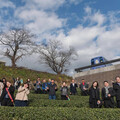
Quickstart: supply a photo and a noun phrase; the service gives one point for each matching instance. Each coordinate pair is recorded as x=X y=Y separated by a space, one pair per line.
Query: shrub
x=53 y=113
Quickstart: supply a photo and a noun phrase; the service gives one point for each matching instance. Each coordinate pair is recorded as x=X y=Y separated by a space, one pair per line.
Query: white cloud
x=6 y=3
x=44 y=4
x=36 y=16
x=82 y=37
x=88 y=10
x=75 y=1
x=98 y=18
x=40 y=21
x=94 y=17
x=109 y=42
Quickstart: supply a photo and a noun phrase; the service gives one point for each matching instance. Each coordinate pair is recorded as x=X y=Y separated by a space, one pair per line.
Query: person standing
x=52 y=88
x=30 y=84
x=84 y=88
x=116 y=87
x=1 y=88
x=38 y=86
x=108 y=95
x=73 y=87
x=22 y=95
x=44 y=87
x=17 y=83
x=94 y=98
x=64 y=91
x=7 y=97
x=4 y=81
x=49 y=82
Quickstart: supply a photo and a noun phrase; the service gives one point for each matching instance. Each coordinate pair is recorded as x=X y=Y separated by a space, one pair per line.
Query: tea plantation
x=40 y=108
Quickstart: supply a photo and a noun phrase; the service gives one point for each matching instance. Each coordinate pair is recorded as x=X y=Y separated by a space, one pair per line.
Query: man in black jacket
x=116 y=87
x=52 y=88
x=84 y=88
x=73 y=87
x=108 y=95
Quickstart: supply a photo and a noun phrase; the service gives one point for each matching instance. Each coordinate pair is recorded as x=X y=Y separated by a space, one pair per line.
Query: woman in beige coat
x=22 y=95
x=1 y=87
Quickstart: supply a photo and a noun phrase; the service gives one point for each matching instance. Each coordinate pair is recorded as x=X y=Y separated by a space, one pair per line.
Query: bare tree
x=55 y=56
x=17 y=44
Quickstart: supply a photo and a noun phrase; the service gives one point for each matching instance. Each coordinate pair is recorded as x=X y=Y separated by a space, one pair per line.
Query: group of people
x=96 y=100
x=50 y=88
x=41 y=87
x=107 y=94
x=7 y=90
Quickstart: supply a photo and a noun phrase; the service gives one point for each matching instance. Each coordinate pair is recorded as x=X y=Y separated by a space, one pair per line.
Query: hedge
x=53 y=113
x=76 y=101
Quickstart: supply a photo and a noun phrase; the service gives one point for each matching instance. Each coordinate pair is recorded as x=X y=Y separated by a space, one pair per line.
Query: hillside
x=24 y=73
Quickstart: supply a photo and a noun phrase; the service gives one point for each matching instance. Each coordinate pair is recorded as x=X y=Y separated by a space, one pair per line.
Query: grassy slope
x=24 y=73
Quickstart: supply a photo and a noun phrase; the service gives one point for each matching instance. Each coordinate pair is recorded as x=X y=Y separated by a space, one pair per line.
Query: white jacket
x=22 y=94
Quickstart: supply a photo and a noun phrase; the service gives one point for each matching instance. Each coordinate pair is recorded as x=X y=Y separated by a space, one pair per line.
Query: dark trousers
x=118 y=103
x=44 y=92
x=20 y=103
x=84 y=93
x=93 y=104
x=108 y=104
x=73 y=93
x=38 y=91
x=63 y=97
x=6 y=102
x=52 y=97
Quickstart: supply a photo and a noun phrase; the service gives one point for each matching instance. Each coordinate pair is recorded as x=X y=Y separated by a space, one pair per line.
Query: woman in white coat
x=22 y=95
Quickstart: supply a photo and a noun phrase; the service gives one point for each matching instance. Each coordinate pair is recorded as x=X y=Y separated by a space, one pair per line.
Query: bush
x=53 y=113
x=43 y=101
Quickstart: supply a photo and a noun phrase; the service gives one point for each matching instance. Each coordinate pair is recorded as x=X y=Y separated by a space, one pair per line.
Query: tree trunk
x=59 y=73
x=13 y=63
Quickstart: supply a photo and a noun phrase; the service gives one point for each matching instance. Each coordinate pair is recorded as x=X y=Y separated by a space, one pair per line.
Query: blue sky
x=92 y=27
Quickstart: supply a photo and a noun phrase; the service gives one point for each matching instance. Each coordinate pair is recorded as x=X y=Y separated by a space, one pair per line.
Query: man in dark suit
x=73 y=87
x=116 y=87
x=108 y=95
x=84 y=88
